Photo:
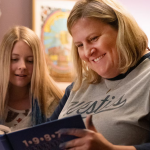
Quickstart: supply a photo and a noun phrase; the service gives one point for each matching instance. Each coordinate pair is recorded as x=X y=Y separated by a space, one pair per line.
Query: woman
x=112 y=62
x=26 y=89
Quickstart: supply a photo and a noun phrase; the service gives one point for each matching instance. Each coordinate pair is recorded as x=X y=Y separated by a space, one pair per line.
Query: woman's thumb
x=89 y=123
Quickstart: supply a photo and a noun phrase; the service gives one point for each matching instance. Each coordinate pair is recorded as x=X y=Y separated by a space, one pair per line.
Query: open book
x=41 y=137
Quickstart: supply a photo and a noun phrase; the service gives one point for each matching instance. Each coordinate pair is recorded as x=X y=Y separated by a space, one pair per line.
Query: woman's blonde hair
x=42 y=86
x=131 y=40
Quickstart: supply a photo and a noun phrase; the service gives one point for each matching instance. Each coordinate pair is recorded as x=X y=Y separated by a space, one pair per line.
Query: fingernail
x=62 y=146
x=62 y=131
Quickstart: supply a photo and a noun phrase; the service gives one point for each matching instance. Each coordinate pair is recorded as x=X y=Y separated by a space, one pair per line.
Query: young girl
x=27 y=91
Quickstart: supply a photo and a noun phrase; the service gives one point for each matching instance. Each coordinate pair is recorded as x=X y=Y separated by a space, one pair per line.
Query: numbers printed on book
x=36 y=140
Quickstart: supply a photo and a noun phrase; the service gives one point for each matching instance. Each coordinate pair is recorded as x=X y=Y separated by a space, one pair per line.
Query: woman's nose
x=89 y=51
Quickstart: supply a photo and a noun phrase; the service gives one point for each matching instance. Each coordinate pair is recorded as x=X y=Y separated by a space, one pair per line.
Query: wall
x=19 y=12
x=15 y=12
x=140 y=10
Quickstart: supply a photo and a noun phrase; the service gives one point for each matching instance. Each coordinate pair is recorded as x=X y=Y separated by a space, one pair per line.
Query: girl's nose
x=22 y=65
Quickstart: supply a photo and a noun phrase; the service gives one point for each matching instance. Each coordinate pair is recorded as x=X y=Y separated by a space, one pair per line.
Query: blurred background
x=20 y=12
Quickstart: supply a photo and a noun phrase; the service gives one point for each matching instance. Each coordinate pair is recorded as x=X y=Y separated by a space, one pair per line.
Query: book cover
x=4 y=143
x=41 y=137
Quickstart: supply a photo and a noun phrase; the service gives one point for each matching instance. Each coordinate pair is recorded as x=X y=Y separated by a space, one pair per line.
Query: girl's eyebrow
x=18 y=55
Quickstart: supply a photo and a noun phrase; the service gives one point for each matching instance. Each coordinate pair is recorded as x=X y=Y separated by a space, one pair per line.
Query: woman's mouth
x=97 y=59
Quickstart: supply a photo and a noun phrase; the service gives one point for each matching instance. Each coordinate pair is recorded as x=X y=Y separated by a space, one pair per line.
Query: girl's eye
x=14 y=59
x=30 y=61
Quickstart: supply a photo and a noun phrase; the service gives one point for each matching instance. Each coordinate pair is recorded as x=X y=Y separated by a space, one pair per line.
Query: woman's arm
x=59 y=108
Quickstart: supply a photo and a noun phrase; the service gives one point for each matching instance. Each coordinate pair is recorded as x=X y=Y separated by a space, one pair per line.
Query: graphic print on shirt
x=15 y=117
x=94 y=107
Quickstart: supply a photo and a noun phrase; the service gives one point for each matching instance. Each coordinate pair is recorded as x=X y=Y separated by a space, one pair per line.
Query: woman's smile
x=96 y=44
x=99 y=58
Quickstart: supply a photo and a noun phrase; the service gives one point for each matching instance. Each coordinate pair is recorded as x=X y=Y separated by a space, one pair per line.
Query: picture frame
x=50 y=24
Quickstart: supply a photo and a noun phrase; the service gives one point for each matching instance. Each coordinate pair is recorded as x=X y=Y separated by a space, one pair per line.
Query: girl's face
x=21 y=66
x=96 y=44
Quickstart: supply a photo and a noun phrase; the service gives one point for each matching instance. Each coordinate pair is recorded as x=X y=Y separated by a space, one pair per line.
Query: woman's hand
x=89 y=139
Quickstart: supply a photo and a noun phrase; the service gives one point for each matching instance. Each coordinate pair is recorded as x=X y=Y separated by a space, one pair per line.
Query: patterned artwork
x=50 y=24
x=56 y=41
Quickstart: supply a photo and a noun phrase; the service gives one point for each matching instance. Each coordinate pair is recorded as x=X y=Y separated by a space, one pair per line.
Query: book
x=41 y=137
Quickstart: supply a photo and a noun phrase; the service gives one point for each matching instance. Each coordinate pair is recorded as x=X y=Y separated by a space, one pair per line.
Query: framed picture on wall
x=50 y=24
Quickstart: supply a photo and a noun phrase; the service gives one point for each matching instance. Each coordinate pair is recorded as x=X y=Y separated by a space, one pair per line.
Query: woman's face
x=21 y=67
x=96 y=44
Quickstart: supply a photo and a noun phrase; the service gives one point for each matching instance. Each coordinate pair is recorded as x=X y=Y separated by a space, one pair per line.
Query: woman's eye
x=79 y=45
x=94 y=38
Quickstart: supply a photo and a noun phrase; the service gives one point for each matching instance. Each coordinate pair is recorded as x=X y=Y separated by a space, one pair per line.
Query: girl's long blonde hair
x=42 y=87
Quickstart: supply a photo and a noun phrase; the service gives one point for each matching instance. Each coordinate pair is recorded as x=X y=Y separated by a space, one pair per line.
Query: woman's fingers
x=72 y=131
x=76 y=144
x=79 y=132
x=86 y=137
